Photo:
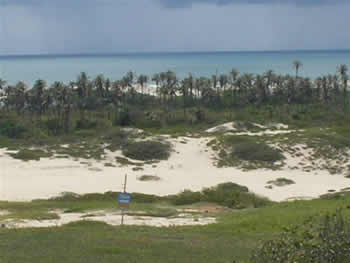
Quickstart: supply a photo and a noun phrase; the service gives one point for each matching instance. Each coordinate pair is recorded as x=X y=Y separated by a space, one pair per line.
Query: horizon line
x=128 y=53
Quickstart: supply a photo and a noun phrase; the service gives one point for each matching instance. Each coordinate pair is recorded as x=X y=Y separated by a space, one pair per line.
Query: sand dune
x=191 y=166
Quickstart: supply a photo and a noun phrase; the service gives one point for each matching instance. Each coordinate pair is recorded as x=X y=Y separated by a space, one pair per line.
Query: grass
x=234 y=237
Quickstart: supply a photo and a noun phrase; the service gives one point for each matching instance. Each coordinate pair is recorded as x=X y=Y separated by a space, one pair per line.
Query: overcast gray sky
x=103 y=26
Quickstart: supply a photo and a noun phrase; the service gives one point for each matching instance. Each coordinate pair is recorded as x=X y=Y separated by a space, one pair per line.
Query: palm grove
x=63 y=107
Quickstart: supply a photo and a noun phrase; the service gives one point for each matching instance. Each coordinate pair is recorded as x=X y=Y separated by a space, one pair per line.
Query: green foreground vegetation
x=237 y=235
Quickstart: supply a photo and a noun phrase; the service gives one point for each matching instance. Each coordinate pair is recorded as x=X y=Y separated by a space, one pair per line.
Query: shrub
x=29 y=155
x=54 y=126
x=86 y=124
x=251 y=151
x=116 y=139
x=145 y=198
x=147 y=151
x=123 y=119
x=187 y=197
x=313 y=241
x=149 y=124
x=12 y=129
x=149 y=178
x=85 y=133
x=233 y=196
x=228 y=194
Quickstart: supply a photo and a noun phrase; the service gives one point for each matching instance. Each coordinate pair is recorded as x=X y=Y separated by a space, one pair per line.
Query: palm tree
x=20 y=96
x=100 y=84
x=223 y=80
x=107 y=85
x=82 y=89
x=142 y=80
x=343 y=70
x=156 y=79
x=67 y=102
x=2 y=84
x=233 y=81
x=40 y=99
x=297 y=65
x=214 y=79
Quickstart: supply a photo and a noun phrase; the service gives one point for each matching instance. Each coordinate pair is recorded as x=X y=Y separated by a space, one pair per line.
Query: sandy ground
x=113 y=219
x=190 y=166
x=230 y=128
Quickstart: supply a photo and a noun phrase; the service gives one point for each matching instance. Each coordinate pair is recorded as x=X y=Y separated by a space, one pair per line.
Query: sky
x=117 y=26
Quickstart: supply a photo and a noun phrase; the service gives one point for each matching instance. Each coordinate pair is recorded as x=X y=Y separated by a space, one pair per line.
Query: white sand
x=191 y=166
x=226 y=127
x=230 y=129
x=111 y=219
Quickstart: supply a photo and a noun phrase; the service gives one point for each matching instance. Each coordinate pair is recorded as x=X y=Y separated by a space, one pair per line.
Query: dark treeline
x=85 y=99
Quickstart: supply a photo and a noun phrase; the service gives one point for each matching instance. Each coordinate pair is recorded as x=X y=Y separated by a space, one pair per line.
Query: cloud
x=108 y=26
x=57 y=3
x=168 y=3
x=189 y=3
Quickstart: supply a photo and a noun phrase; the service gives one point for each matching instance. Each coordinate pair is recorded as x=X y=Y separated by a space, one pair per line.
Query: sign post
x=124 y=199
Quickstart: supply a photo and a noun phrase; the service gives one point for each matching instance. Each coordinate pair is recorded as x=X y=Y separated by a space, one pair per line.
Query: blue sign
x=124 y=199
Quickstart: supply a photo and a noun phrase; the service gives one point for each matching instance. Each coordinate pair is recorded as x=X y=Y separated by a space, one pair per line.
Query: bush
x=116 y=139
x=12 y=129
x=313 y=241
x=233 y=196
x=86 y=124
x=85 y=133
x=29 y=155
x=228 y=194
x=147 y=151
x=187 y=197
x=251 y=151
x=54 y=126
x=123 y=119
x=149 y=124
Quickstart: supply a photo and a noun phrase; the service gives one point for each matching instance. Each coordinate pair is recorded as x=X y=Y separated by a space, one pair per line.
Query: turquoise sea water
x=67 y=67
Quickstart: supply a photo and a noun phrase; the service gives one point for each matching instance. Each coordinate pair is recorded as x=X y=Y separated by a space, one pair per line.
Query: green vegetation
x=312 y=241
x=28 y=155
x=149 y=178
x=238 y=235
x=257 y=152
x=90 y=115
x=247 y=152
x=228 y=194
x=147 y=150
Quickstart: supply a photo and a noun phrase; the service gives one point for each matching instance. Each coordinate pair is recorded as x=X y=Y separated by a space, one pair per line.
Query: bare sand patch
x=113 y=219
x=230 y=126
x=271 y=129
x=4 y=212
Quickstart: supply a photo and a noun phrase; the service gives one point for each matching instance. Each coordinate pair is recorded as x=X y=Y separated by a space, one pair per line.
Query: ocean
x=66 y=67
